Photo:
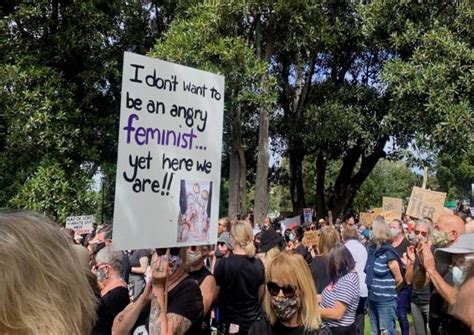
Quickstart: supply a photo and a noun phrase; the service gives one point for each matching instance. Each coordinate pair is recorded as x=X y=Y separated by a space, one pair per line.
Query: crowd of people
x=253 y=281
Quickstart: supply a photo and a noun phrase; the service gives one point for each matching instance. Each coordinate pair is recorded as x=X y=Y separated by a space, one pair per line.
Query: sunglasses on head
x=274 y=289
x=162 y=251
x=423 y=233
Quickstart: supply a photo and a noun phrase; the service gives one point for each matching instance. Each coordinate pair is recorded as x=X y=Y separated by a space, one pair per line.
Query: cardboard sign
x=378 y=211
x=310 y=238
x=426 y=203
x=394 y=205
x=390 y=215
x=169 y=155
x=366 y=218
x=83 y=224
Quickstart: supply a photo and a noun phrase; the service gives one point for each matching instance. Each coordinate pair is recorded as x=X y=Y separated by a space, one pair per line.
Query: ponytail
x=249 y=250
x=243 y=235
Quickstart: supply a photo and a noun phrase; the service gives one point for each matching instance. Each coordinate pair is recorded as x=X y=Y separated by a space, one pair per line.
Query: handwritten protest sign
x=426 y=203
x=311 y=238
x=394 y=205
x=83 y=224
x=308 y=214
x=169 y=155
x=366 y=219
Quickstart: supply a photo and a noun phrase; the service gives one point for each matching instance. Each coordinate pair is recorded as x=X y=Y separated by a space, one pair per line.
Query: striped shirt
x=345 y=290
x=383 y=287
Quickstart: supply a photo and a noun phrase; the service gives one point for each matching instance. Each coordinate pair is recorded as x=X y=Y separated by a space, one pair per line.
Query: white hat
x=464 y=245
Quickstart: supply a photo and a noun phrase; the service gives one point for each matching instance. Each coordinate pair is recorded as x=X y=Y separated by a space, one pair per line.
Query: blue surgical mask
x=459 y=273
x=291 y=237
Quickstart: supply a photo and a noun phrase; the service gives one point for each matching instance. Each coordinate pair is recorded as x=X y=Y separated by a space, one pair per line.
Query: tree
x=198 y=40
x=60 y=85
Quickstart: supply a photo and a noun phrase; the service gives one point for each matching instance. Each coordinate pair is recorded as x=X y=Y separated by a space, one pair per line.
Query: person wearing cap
x=459 y=257
x=447 y=230
x=271 y=244
x=224 y=248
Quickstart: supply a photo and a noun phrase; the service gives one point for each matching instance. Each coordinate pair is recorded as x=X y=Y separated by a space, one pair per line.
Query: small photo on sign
x=195 y=210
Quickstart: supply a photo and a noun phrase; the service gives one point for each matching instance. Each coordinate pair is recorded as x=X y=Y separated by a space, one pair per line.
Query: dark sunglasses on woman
x=274 y=289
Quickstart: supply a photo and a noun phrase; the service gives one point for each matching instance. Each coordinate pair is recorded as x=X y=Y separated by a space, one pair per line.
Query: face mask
x=285 y=308
x=291 y=237
x=101 y=274
x=458 y=275
x=394 y=231
x=192 y=257
x=440 y=238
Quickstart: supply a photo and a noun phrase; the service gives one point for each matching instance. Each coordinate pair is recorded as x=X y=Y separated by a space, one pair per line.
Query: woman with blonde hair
x=383 y=279
x=239 y=279
x=328 y=238
x=290 y=302
x=42 y=290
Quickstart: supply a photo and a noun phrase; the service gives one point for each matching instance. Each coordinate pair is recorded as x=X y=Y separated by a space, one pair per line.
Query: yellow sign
x=366 y=219
x=426 y=203
x=394 y=205
x=311 y=238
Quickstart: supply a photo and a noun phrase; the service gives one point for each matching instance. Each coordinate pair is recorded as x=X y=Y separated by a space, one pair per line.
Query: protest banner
x=169 y=155
x=287 y=223
x=366 y=218
x=394 y=205
x=426 y=203
x=83 y=224
x=311 y=238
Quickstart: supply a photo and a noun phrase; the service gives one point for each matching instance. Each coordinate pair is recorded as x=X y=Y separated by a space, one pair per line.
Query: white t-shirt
x=359 y=253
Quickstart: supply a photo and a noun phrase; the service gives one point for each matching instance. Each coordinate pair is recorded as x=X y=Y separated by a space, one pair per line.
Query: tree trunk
x=347 y=183
x=261 y=196
x=296 y=181
x=261 y=183
x=321 y=164
x=234 y=176
x=237 y=170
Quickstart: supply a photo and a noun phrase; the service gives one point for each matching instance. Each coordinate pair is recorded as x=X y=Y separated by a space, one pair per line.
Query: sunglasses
x=162 y=251
x=274 y=289
x=423 y=233
x=312 y=228
x=221 y=244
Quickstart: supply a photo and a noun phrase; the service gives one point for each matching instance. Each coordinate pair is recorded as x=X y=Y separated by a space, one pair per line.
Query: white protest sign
x=287 y=223
x=83 y=224
x=169 y=155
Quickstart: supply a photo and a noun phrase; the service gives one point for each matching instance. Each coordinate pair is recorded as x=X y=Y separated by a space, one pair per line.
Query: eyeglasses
x=423 y=233
x=274 y=289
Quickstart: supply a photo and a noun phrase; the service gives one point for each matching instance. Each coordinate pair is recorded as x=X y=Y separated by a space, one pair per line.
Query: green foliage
x=455 y=174
x=391 y=179
x=50 y=190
